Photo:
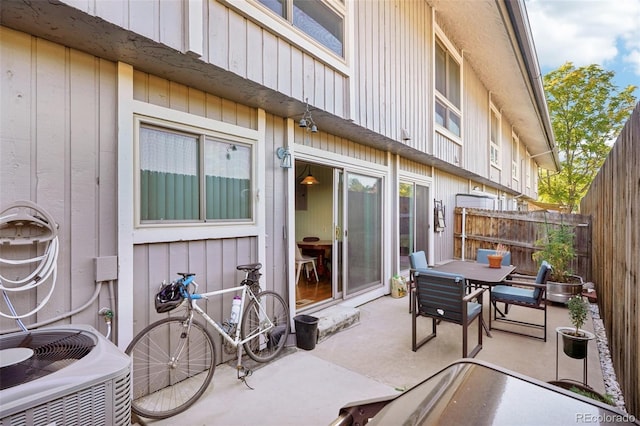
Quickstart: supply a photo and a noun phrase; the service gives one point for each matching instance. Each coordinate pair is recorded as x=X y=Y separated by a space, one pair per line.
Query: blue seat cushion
x=507 y=292
x=473 y=309
x=418 y=260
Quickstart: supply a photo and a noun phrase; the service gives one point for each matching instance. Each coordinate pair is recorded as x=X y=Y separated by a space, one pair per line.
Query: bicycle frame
x=236 y=341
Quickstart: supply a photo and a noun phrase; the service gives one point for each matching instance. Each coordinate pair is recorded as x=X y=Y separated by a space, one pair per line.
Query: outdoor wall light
x=285 y=157
x=306 y=121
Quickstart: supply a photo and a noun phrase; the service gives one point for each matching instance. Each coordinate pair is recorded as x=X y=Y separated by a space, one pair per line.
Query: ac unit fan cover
x=65 y=359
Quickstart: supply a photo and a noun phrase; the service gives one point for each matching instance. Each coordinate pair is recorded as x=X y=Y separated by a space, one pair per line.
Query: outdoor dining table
x=477 y=274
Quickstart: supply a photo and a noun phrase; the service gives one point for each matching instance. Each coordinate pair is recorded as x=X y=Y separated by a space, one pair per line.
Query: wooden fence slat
x=612 y=201
x=520 y=231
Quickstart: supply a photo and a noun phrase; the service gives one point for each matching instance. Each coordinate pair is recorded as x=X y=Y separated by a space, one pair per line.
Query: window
x=515 y=157
x=193 y=177
x=315 y=18
x=495 y=138
x=528 y=170
x=448 y=90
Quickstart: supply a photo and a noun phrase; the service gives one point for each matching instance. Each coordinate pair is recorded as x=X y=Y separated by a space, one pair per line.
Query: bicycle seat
x=186 y=274
x=249 y=267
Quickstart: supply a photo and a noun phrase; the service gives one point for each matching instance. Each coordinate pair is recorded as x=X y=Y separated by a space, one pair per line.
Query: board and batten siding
x=169 y=94
x=58 y=149
x=446 y=186
x=392 y=69
x=475 y=124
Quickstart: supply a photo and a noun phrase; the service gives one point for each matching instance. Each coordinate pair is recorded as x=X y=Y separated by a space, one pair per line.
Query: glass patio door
x=363 y=233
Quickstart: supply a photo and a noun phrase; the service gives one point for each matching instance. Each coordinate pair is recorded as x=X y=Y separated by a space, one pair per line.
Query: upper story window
x=527 y=170
x=448 y=89
x=495 y=137
x=317 y=18
x=186 y=175
x=515 y=157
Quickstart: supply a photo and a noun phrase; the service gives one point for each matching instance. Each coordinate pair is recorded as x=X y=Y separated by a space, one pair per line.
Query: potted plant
x=574 y=339
x=584 y=390
x=495 y=260
x=558 y=250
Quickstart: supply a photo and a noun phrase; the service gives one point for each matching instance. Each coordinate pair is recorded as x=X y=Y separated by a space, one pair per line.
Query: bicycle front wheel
x=266 y=309
x=171 y=368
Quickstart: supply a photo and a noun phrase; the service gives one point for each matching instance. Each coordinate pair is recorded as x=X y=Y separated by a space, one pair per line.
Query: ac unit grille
x=86 y=380
x=52 y=351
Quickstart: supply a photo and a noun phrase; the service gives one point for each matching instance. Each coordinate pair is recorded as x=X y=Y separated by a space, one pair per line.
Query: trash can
x=306 y=331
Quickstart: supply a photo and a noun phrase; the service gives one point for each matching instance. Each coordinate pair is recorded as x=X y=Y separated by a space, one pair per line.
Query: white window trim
x=451 y=50
x=259 y=14
x=162 y=232
x=527 y=177
x=495 y=144
x=515 y=157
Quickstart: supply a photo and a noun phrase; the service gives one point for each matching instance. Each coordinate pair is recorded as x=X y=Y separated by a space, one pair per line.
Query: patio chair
x=443 y=297
x=528 y=292
x=306 y=262
x=417 y=262
x=482 y=256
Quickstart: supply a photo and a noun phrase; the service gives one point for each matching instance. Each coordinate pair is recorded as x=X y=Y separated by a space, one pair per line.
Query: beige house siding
x=58 y=149
x=476 y=124
x=392 y=71
x=68 y=129
x=446 y=186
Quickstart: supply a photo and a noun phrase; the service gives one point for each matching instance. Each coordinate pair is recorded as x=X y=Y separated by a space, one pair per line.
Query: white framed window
x=494 y=136
x=515 y=156
x=322 y=20
x=448 y=87
x=527 y=170
x=190 y=175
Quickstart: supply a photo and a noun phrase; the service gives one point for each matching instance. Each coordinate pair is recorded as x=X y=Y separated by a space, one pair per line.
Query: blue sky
x=604 y=32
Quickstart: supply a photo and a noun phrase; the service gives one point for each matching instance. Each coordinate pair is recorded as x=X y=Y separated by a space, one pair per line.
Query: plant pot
x=495 y=261
x=580 y=389
x=572 y=345
x=562 y=292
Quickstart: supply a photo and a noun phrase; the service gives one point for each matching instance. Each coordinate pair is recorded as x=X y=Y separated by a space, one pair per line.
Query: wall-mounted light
x=285 y=157
x=309 y=179
x=230 y=149
x=306 y=121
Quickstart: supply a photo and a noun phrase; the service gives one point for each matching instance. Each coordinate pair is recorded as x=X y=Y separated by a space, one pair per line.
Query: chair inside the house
x=443 y=296
x=306 y=262
x=523 y=291
x=482 y=256
x=417 y=263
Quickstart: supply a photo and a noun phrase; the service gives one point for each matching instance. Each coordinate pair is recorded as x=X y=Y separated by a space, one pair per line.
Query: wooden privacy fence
x=477 y=228
x=613 y=201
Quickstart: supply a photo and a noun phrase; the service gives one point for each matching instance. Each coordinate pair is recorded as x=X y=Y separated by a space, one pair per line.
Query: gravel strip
x=608 y=373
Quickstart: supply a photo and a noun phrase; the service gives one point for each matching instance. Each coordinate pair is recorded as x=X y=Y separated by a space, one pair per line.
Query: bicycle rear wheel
x=166 y=382
x=268 y=307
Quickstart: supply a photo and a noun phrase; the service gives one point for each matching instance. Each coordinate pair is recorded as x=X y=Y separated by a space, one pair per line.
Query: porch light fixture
x=285 y=157
x=306 y=122
x=309 y=179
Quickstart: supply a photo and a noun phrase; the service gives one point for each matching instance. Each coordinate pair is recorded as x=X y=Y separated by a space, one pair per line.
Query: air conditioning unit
x=64 y=375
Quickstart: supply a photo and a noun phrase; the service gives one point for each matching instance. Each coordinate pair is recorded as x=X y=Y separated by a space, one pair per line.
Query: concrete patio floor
x=372 y=359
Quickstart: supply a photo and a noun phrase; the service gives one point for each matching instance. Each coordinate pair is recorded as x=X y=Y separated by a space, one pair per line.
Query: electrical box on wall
x=476 y=201
x=106 y=268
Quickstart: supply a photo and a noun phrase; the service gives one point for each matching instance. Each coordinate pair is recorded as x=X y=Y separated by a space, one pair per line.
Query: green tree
x=587 y=113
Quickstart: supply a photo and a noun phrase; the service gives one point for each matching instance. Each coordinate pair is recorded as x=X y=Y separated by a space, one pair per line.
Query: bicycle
x=174 y=358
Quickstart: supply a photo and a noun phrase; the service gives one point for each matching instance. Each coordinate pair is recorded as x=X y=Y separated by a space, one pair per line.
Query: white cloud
x=586 y=31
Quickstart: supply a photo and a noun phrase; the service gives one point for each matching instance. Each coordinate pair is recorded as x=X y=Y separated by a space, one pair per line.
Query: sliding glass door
x=363 y=232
